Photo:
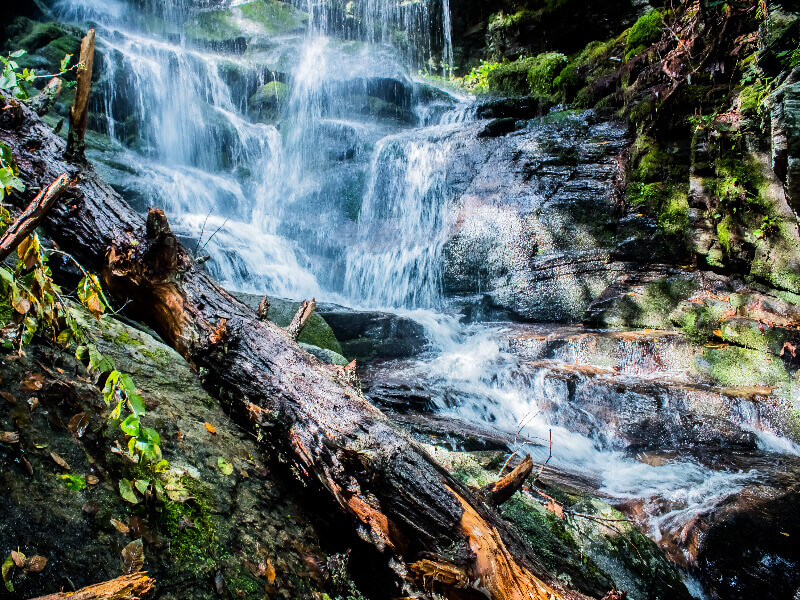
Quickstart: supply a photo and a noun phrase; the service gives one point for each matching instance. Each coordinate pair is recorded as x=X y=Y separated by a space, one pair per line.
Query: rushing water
x=343 y=193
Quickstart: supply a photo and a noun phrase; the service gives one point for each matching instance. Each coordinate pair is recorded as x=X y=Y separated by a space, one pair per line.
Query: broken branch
x=500 y=491
x=301 y=318
x=80 y=109
x=127 y=587
x=30 y=218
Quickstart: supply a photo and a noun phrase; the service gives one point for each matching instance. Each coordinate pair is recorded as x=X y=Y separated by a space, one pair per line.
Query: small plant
x=768 y=227
x=477 y=80
x=20 y=82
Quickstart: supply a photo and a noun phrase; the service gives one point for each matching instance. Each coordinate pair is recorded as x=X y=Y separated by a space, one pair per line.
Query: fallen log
x=384 y=483
x=501 y=490
x=44 y=100
x=127 y=587
x=32 y=216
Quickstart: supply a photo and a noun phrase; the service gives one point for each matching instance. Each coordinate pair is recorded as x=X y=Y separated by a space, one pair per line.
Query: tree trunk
x=388 y=487
x=127 y=587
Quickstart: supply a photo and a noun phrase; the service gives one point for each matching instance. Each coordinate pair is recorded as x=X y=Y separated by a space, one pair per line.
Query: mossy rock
x=542 y=74
x=270 y=94
x=46 y=43
x=317 y=333
x=732 y=366
x=269 y=17
x=325 y=355
x=510 y=79
x=645 y=32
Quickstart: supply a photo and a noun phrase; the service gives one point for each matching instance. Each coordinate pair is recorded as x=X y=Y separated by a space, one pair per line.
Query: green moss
x=74 y=482
x=125 y=338
x=673 y=216
x=698 y=321
x=510 y=79
x=274 y=16
x=273 y=92
x=213 y=26
x=499 y=21
x=653 y=307
x=191 y=530
x=542 y=73
x=734 y=366
x=724 y=232
x=159 y=354
x=244 y=585
x=6 y=310
x=645 y=32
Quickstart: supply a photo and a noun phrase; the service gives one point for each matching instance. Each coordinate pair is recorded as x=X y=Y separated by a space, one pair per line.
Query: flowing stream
x=342 y=192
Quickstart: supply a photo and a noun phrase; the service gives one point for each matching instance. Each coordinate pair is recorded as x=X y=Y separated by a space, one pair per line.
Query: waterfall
x=272 y=198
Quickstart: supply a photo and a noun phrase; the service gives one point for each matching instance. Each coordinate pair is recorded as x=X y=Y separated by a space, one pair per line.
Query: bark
x=43 y=101
x=500 y=491
x=382 y=481
x=301 y=317
x=127 y=587
x=80 y=109
x=30 y=218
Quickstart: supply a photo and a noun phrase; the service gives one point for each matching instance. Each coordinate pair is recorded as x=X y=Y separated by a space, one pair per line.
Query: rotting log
x=32 y=216
x=385 y=484
x=501 y=490
x=127 y=587
x=79 y=112
x=301 y=318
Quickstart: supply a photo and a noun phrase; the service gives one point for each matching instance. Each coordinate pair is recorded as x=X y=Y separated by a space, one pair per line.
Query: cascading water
x=334 y=182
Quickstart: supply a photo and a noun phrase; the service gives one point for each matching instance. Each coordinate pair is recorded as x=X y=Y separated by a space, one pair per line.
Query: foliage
x=542 y=73
x=477 y=80
x=645 y=32
x=20 y=82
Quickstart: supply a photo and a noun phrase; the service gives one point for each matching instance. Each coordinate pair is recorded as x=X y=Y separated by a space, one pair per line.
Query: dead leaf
x=556 y=509
x=18 y=558
x=133 y=557
x=185 y=522
x=718 y=333
x=60 y=461
x=91 y=508
x=92 y=479
x=211 y=428
x=33 y=382
x=218 y=334
x=792 y=348
x=270 y=571
x=33 y=403
x=28 y=466
x=120 y=526
x=9 y=437
x=36 y=564
x=77 y=425
x=8 y=397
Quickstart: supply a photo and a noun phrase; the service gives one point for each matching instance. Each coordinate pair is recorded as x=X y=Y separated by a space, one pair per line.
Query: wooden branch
x=127 y=587
x=43 y=101
x=301 y=318
x=365 y=472
x=80 y=108
x=500 y=491
x=30 y=218
x=263 y=308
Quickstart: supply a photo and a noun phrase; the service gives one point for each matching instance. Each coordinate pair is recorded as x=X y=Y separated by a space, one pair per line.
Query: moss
x=214 y=26
x=125 y=339
x=6 y=310
x=74 y=482
x=191 y=530
x=274 y=16
x=244 y=585
x=542 y=73
x=273 y=92
x=316 y=333
x=510 y=79
x=159 y=354
x=724 y=232
x=499 y=21
x=698 y=321
x=734 y=366
x=645 y=32
x=673 y=216
x=654 y=306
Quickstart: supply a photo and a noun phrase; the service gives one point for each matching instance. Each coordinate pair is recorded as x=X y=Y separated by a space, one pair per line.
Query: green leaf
x=117 y=412
x=126 y=383
x=130 y=426
x=148 y=435
x=141 y=485
x=17 y=54
x=8 y=570
x=99 y=362
x=126 y=491
x=6 y=276
x=136 y=404
x=111 y=385
x=224 y=466
x=65 y=62
x=161 y=466
x=74 y=482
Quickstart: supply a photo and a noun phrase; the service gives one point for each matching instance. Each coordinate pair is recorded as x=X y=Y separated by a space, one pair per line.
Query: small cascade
x=403 y=224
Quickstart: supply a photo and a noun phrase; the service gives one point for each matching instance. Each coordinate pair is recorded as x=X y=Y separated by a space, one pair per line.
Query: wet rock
x=229 y=28
x=498 y=127
x=325 y=355
x=369 y=335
